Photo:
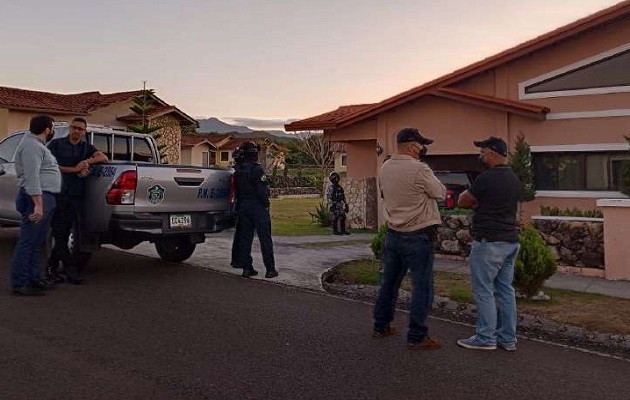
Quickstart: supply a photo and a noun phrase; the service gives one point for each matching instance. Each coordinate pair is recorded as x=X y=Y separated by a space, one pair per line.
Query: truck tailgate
x=165 y=188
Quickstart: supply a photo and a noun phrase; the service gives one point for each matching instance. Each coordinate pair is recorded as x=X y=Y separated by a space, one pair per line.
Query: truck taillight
x=123 y=191
x=232 y=189
x=450 y=199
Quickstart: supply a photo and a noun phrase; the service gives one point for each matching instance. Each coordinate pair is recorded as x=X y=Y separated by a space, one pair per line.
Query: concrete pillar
x=616 y=232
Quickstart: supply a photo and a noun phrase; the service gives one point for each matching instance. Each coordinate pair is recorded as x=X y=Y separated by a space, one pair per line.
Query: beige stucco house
x=17 y=106
x=567 y=92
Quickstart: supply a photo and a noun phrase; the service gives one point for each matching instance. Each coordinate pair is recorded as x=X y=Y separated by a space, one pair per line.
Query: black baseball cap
x=495 y=144
x=411 y=135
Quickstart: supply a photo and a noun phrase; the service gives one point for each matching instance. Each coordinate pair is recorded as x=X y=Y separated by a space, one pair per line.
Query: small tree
x=320 y=150
x=142 y=105
x=624 y=185
x=521 y=163
x=535 y=262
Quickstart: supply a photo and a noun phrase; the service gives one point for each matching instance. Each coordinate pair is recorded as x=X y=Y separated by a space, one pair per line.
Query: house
x=198 y=150
x=567 y=92
x=17 y=106
x=218 y=149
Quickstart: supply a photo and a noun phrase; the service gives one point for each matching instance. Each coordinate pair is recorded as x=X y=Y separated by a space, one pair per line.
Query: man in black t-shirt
x=74 y=156
x=494 y=196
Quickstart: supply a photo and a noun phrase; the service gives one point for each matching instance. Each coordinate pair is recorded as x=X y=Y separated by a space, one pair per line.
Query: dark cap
x=411 y=135
x=495 y=144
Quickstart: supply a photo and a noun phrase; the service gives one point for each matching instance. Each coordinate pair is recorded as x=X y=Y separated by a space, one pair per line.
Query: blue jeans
x=25 y=266
x=406 y=251
x=492 y=273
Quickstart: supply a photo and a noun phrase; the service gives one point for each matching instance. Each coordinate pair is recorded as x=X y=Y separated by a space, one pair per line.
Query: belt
x=430 y=231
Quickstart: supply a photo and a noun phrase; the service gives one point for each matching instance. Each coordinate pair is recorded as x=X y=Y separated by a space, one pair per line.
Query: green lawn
x=290 y=217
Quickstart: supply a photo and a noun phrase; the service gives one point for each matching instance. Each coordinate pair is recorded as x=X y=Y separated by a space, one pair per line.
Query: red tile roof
x=607 y=15
x=158 y=111
x=327 y=120
x=193 y=140
x=80 y=103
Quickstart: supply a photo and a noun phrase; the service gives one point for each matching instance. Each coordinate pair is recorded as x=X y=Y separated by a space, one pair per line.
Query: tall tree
x=142 y=106
x=521 y=163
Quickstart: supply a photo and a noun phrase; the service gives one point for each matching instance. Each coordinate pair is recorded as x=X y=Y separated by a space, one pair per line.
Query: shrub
x=377 y=242
x=535 y=262
x=321 y=215
x=456 y=211
x=568 y=212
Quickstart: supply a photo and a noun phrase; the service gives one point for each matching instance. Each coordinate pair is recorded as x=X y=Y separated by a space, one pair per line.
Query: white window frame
x=578 y=92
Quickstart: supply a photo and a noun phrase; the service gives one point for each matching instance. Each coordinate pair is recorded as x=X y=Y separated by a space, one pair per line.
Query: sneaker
x=426 y=344
x=475 y=344
x=387 y=332
x=249 y=272
x=507 y=346
x=271 y=274
x=44 y=285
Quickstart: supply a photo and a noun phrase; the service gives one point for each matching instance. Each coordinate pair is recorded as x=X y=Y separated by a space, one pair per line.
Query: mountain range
x=215 y=125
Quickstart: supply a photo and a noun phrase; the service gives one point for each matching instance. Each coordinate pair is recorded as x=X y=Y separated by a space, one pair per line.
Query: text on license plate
x=179 y=221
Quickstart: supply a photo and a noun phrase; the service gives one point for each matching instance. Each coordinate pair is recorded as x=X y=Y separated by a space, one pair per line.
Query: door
x=8 y=180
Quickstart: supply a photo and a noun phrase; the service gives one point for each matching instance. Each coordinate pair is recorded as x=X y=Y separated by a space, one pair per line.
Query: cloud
x=258 y=123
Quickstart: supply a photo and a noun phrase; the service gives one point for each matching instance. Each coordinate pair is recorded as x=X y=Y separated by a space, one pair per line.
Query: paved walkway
x=301 y=260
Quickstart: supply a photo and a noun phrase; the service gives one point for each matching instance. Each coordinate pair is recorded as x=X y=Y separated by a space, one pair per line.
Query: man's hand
x=37 y=214
x=83 y=165
x=466 y=200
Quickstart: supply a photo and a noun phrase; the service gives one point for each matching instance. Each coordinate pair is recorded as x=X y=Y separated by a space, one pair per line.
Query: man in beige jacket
x=410 y=192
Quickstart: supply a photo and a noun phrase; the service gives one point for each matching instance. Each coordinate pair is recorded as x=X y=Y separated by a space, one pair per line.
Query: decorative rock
x=464 y=236
x=450 y=246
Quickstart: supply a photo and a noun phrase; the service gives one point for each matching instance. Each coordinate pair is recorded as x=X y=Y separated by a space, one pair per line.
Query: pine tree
x=142 y=105
x=535 y=262
x=521 y=163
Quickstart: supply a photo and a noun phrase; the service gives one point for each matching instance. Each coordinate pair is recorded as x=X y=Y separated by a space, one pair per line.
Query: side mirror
x=2 y=172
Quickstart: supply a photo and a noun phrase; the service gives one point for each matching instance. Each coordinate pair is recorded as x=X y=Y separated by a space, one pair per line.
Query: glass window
x=545 y=171
x=102 y=143
x=570 y=172
x=8 y=147
x=121 y=148
x=609 y=72
x=344 y=160
x=597 y=171
x=141 y=150
x=617 y=167
x=225 y=156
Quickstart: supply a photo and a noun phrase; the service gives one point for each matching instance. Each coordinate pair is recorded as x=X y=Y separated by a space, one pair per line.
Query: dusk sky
x=270 y=60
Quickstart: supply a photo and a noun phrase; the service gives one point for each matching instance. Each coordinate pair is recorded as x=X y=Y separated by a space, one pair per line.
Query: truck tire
x=175 y=249
x=79 y=258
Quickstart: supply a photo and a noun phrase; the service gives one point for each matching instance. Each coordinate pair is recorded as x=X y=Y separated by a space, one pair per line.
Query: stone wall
x=362 y=202
x=171 y=136
x=576 y=243
x=294 y=191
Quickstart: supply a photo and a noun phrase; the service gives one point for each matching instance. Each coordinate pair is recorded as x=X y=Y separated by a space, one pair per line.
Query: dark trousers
x=61 y=226
x=339 y=223
x=254 y=217
x=235 y=243
x=406 y=251
x=25 y=269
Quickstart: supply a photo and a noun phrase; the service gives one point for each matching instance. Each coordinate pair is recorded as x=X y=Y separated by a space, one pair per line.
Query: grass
x=593 y=312
x=290 y=217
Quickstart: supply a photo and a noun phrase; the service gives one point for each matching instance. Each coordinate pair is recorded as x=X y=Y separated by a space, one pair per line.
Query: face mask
x=423 y=152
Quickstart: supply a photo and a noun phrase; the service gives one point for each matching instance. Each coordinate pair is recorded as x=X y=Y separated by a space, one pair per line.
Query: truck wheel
x=79 y=258
x=175 y=249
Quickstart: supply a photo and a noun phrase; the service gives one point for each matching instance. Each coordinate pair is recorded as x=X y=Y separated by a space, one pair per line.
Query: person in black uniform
x=337 y=204
x=252 y=199
x=237 y=155
x=75 y=156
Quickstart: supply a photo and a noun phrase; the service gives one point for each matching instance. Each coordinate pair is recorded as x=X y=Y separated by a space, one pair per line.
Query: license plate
x=180 y=221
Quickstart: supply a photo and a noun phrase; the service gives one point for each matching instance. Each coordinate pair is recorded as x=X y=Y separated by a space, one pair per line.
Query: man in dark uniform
x=252 y=199
x=75 y=156
x=237 y=155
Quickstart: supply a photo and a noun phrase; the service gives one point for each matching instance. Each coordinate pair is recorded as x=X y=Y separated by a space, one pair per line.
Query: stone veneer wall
x=171 y=137
x=362 y=202
x=576 y=243
x=294 y=191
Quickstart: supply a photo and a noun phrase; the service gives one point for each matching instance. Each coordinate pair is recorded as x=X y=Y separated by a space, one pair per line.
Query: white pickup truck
x=133 y=198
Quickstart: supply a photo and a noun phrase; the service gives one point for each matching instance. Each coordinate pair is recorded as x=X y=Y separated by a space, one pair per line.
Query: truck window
x=142 y=150
x=121 y=148
x=8 y=147
x=101 y=142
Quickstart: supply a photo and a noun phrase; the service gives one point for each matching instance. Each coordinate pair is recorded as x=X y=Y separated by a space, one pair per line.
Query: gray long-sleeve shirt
x=36 y=167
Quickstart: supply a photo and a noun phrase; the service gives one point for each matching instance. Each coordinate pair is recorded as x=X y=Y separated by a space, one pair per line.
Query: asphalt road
x=144 y=329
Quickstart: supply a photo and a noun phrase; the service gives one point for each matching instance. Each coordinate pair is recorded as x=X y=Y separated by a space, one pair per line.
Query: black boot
x=342 y=224
x=336 y=230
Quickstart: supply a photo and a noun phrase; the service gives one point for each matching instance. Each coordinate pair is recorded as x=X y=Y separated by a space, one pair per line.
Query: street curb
x=528 y=325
